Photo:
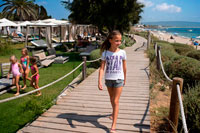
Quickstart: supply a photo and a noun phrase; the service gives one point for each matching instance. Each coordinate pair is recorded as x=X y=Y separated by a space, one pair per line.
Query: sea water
x=186 y=32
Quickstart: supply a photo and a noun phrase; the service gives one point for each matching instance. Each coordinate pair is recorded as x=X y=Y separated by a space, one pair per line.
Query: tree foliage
x=109 y=14
x=23 y=10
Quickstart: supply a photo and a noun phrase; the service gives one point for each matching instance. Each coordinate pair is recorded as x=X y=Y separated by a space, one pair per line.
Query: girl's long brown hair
x=106 y=44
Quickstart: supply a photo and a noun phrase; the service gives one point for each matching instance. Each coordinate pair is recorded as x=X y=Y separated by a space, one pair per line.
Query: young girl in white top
x=115 y=73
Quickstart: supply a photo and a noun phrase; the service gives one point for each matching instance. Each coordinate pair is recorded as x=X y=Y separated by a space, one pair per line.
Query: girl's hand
x=124 y=82
x=32 y=77
x=100 y=86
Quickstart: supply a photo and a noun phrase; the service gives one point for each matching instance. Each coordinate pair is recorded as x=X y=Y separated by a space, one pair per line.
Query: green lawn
x=17 y=113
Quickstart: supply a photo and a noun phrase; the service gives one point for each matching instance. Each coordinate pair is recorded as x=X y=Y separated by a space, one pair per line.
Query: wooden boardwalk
x=86 y=109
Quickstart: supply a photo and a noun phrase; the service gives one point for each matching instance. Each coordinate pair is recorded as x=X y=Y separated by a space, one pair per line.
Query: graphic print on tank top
x=113 y=64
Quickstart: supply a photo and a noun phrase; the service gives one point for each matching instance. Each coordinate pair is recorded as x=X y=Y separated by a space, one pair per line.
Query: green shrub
x=182 y=49
x=177 y=65
x=122 y=46
x=194 y=54
x=162 y=88
x=90 y=71
x=151 y=54
x=95 y=54
x=5 y=49
x=191 y=103
x=184 y=67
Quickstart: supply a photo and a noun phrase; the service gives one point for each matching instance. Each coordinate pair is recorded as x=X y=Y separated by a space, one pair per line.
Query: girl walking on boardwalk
x=25 y=66
x=15 y=68
x=115 y=73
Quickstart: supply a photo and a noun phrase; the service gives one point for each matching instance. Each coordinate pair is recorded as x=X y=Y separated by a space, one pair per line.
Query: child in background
x=25 y=66
x=115 y=73
x=15 y=68
x=35 y=74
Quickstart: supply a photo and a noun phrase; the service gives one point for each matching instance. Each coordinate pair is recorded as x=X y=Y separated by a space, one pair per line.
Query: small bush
x=5 y=49
x=194 y=54
x=182 y=49
x=90 y=71
x=184 y=67
x=191 y=102
x=122 y=46
x=162 y=88
x=95 y=54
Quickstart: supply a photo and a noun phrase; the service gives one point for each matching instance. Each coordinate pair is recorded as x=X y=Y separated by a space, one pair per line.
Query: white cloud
x=168 y=8
x=146 y=3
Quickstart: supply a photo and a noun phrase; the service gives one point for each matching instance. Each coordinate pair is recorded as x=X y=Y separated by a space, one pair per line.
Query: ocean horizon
x=184 y=32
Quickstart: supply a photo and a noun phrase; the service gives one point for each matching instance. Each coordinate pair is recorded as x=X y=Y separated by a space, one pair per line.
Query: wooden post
x=84 y=67
x=39 y=33
x=149 y=39
x=174 y=105
x=155 y=48
x=27 y=32
x=2 y=74
x=60 y=33
x=158 y=58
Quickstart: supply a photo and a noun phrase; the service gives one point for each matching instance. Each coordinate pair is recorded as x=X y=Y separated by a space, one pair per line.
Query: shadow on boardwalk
x=93 y=119
x=141 y=125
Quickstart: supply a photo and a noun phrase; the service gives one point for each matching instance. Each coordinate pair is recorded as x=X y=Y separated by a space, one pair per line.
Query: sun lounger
x=4 y=82
x=43 y=44
x=59 y=59
x=43 y=60
x=5 y=67
x=57 y=40
x=88 y=51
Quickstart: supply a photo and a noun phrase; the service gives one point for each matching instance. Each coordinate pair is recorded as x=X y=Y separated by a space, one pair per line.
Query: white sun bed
x=43 y=44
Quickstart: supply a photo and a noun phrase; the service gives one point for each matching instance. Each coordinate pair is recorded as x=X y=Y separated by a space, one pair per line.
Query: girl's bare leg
x=27 y=74
x=17 y=84
x=13 y=81
x=37 y=86
x=111 y=93
x=116 y=96
x=25 y=77
x=24 y=80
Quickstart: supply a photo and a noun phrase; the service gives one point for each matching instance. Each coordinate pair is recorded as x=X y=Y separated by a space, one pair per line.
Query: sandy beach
x=176 y=39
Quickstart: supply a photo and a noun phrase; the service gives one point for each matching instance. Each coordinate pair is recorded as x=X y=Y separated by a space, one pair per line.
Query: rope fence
x=176 y=103
x=182 y=109
x=90 y=61
x=61 y=78
x=45 y=86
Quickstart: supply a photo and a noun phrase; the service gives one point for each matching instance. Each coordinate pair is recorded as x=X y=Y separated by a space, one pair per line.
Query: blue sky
x=155 y=10
x=54 y=8
x=171 y=10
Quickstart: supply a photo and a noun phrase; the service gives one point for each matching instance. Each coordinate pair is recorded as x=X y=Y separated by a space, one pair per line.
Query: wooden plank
x=88 y=99
x=99 y=106
x=74 y=109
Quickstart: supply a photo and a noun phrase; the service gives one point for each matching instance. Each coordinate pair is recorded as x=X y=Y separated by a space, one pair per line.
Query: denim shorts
x=114 y=83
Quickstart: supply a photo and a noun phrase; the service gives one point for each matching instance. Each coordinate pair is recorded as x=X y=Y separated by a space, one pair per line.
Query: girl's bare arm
x=9 y=71
x=124 y=69
x=36 y=71
x=20 y=67
x=28 y=61
x=101 y=72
